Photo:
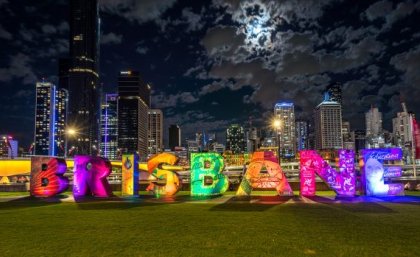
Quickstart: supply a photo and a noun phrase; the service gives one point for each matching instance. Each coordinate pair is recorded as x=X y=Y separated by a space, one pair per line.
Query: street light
x=277 y=126
x=68 y=132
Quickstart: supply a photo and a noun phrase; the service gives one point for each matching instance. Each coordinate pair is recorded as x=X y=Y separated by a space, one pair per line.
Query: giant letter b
x=47 y=176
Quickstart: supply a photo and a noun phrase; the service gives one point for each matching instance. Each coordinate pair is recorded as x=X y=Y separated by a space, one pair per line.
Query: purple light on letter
x=90 y=175
x=374 y=172
x=343 y=182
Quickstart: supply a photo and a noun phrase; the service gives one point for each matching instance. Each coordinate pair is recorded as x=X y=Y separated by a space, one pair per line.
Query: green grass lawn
x=139 y=228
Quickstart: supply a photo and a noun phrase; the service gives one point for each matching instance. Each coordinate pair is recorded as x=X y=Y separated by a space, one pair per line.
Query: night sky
x=213 y=63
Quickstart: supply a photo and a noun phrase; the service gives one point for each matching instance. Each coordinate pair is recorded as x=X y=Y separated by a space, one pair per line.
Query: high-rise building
x=302 y=135
x=403 y=132
x=50 y=120
x=348 y=140
x=155 y=131
x=8 y=147
x=235 y=139
x=253 y=137
x=192 y=146
x=359 y=138
x=334 y=91
x=200 y=138
x=402 y=128
x=374 y=132
x=373 y=122
x=132 y=114
x=83 y=86
x=285 y=113
x=64 y=65
x=174 y=136
x=328 y=125
x=4 y=146
x=109 y=127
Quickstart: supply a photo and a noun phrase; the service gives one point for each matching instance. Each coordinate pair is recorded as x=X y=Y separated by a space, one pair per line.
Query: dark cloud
x=111 y=39
x=139 y=11
x=193 y=19
x=4 y=34
x=19 y=67
x=206 y=57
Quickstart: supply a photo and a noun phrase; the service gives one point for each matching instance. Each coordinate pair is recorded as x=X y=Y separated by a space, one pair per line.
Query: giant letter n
x=343 y=182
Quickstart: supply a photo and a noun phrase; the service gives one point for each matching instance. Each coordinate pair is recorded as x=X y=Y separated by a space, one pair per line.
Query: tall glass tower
x=285 y=113
x=109 y=127
x=83 y=86
x=50 y=118
x=133 y=96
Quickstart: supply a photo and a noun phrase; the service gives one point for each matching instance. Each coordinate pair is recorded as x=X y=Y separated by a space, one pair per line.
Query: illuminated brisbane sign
x=207 y=178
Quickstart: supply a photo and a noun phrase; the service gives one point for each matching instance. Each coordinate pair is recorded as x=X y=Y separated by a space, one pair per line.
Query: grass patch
x=121 y=228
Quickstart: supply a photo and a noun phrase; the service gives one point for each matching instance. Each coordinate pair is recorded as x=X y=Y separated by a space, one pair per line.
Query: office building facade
x=235 y=139
x=109 y=127
x=328 y=125
x=50 y=120
x=83 y=76
x=302 y=135
x=285 y=113
x=335 y=93
x=132 y=114
x=174 y=136
x=155 y=143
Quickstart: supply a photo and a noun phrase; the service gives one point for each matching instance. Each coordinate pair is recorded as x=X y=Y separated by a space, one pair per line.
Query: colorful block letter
x=274 y=178
x=130 y=174
x=343 y=182
x=206 y=174
x=166 y=182
x=90 y=173
x=373 y=172
x=47 y=176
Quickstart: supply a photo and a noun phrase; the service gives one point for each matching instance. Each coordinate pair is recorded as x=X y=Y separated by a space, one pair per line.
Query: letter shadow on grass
x=31 y=201
x=251 y=203
x=354 y=204
x=407 y=199
x=120 y=202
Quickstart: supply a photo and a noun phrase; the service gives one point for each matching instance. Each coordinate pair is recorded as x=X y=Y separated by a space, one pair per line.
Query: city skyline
x=223 y=60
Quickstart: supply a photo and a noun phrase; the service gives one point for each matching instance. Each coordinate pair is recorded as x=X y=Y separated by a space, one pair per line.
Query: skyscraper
x=235 y=139
x=8 y=147
x=348 y=139
x=109 y=127
x=374 y=132
x=285 y=113
x=253 y=136
x=155 y=131
x=50 y=120
x=359 y=138
x=83 y=86
x=373 y=122
x=334 y=90
x=328 y=125
x=174 y=136
x=132 y=114
x=302 y=134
